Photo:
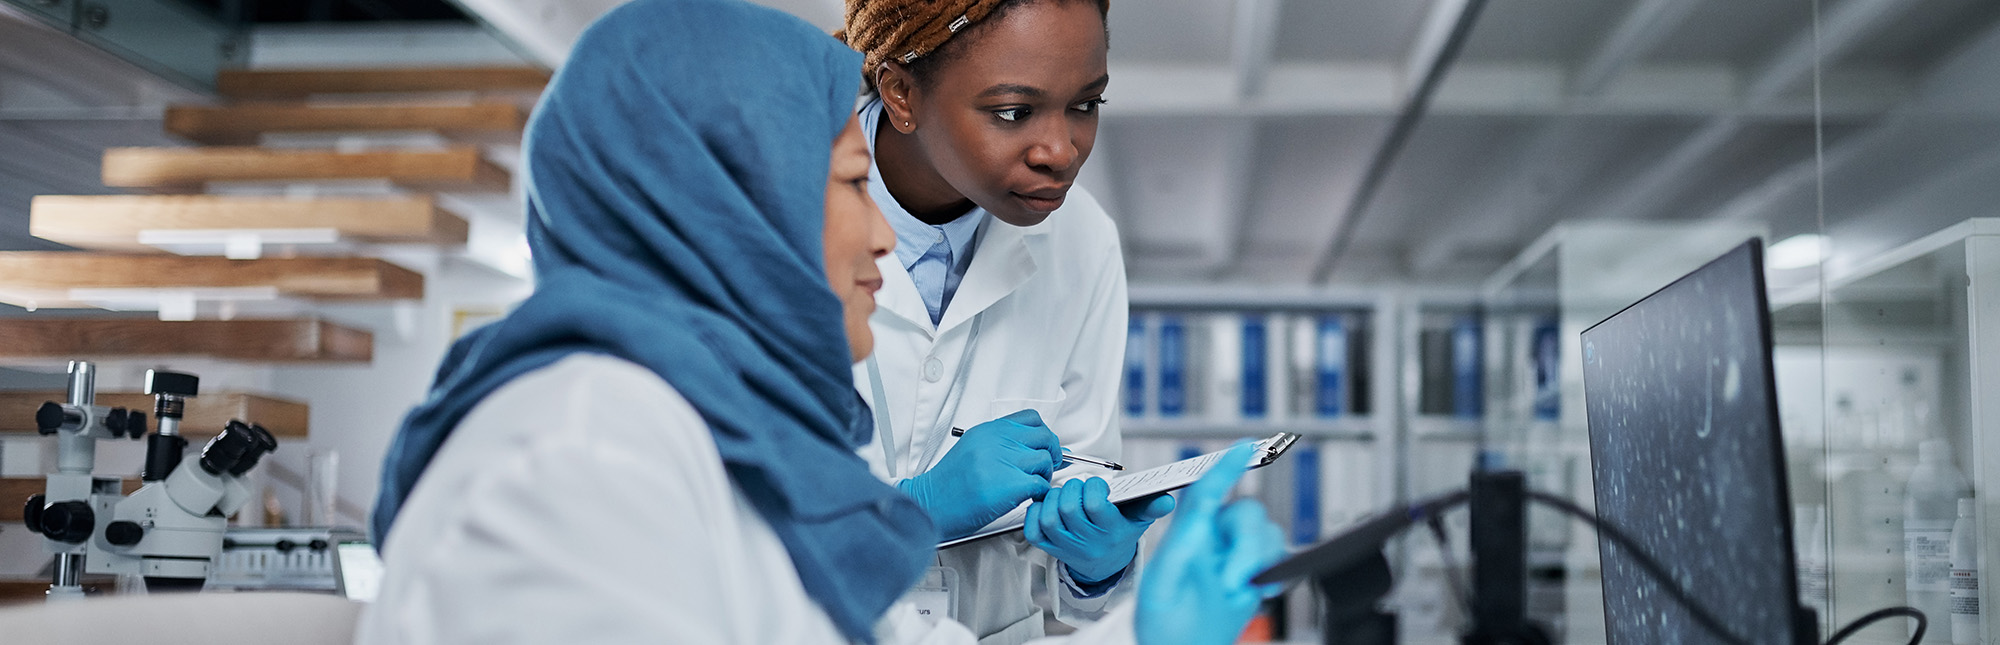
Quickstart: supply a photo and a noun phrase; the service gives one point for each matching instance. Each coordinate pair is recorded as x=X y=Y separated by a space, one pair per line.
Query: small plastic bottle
x=1809 y=529
x=1930 y=508
x=1965 y=574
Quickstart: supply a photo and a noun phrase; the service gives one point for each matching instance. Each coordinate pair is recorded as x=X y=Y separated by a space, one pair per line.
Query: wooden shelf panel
x=15 y=491
x=242 y=123
x=294 y=83
x=205 y=417
x=114 y=222
x=44 y=278
x=126 y=338
x=21 y=591
x=459 y=168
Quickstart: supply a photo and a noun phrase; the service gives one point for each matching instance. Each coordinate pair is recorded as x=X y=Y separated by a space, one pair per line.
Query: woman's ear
x=897 y=88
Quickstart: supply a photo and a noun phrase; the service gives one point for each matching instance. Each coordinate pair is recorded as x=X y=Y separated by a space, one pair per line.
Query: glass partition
x=1907 y=313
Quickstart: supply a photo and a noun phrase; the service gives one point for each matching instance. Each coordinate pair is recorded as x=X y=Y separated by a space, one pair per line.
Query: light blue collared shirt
x=935 y=256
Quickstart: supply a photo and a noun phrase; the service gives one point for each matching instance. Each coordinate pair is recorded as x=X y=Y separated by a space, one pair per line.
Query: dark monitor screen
x=1687 y=458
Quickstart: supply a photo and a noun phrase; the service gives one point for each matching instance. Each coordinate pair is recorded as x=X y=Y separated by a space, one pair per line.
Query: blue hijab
x=676 y=172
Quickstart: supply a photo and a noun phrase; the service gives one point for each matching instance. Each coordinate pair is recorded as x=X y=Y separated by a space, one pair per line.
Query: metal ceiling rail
x=1399 y=135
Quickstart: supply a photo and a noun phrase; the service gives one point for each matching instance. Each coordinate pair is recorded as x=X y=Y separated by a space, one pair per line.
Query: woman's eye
x=1011 y=114
x=1088 y=107
x=859 y=184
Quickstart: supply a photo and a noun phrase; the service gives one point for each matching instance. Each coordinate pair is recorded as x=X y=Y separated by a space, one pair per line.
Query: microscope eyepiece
x=237 y=449
x=265 y=444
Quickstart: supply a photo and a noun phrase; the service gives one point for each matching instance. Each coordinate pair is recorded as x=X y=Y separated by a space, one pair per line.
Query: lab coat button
x=933 y=370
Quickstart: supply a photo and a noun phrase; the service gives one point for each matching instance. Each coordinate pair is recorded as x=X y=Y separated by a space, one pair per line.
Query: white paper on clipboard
x=1152 y=481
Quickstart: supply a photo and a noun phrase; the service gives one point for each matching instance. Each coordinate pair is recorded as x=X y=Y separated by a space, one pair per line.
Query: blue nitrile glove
x=1080 y=526
x=992 y=469
x=1197 y=588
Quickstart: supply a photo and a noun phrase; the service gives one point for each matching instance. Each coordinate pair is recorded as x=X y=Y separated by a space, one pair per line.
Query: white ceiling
x=1239 y=130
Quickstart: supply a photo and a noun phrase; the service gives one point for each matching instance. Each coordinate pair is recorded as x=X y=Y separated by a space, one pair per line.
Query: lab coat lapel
x=1005 y=260
x=899 y=295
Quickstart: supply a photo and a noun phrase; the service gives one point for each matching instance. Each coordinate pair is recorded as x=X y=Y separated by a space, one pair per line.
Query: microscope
x=171 y=529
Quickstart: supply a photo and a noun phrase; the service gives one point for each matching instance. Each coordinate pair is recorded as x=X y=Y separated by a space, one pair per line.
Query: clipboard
x=1144 y=483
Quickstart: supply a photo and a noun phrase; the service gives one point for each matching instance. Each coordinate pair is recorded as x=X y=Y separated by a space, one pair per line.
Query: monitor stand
x=1353 y=595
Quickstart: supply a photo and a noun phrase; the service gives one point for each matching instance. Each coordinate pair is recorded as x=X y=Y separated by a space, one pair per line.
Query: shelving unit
x=326 y=207
x=1349 y=462
x=127 y=233
x=58 y=279
x=1904 y=352
x=54 y=340
x=457 y=168
x=1359 y=430
x=153 y=223
x=205 y=415
x=491 y=122
x=267 y=84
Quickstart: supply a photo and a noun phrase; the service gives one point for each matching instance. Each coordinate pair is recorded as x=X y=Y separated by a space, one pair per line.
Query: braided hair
x=918 y=33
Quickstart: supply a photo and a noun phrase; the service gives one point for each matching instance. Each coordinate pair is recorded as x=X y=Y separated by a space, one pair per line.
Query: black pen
x=1106 y=463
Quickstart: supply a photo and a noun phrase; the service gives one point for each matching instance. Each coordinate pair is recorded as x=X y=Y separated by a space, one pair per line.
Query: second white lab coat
x=585 y=502
x=1049 y=306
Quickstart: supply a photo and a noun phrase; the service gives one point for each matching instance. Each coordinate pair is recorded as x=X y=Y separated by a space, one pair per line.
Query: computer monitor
x=1687 y=458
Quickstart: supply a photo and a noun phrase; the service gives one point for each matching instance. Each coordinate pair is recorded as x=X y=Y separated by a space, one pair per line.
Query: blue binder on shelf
x=1135 y=367
x=1255 y=352
x=1330 y=367
x=1305 y=494
x=1173 y=366
x=1467 y=365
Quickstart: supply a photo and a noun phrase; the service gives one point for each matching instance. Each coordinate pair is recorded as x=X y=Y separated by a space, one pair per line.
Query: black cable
x=1461 y=591
x=1876 y=616
x=1646 y=562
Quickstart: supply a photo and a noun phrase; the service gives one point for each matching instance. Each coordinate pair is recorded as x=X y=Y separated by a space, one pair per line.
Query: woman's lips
x=1041 y=201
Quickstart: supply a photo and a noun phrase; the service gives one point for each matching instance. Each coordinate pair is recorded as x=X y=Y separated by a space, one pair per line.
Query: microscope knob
x=32 y=512
x=115 y=421
x=124 y=533
x=50 y=418
x=135 y=425
x=70 y=521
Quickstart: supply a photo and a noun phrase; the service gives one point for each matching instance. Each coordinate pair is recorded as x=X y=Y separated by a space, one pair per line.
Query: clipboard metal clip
x=1275 y=446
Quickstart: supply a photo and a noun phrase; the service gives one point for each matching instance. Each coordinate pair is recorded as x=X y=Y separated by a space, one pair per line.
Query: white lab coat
x=1050 y=309
x=585 y=502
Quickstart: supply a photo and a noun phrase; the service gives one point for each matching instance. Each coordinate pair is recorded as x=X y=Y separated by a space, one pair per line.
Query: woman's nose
x=1056 y=150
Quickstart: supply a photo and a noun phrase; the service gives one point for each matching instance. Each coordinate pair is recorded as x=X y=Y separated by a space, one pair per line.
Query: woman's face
x=855 y=236
x=1010 y=119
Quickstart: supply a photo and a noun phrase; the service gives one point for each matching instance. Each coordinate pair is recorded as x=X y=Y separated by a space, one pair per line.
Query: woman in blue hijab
x=658 y=444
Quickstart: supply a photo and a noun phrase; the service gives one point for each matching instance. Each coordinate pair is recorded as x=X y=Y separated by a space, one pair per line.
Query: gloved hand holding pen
x=992 y=469
x=1096 y=539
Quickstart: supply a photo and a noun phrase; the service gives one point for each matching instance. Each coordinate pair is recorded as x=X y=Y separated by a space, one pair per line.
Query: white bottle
x=1930 y=507
x=1965 y=574
x=1809 y=530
